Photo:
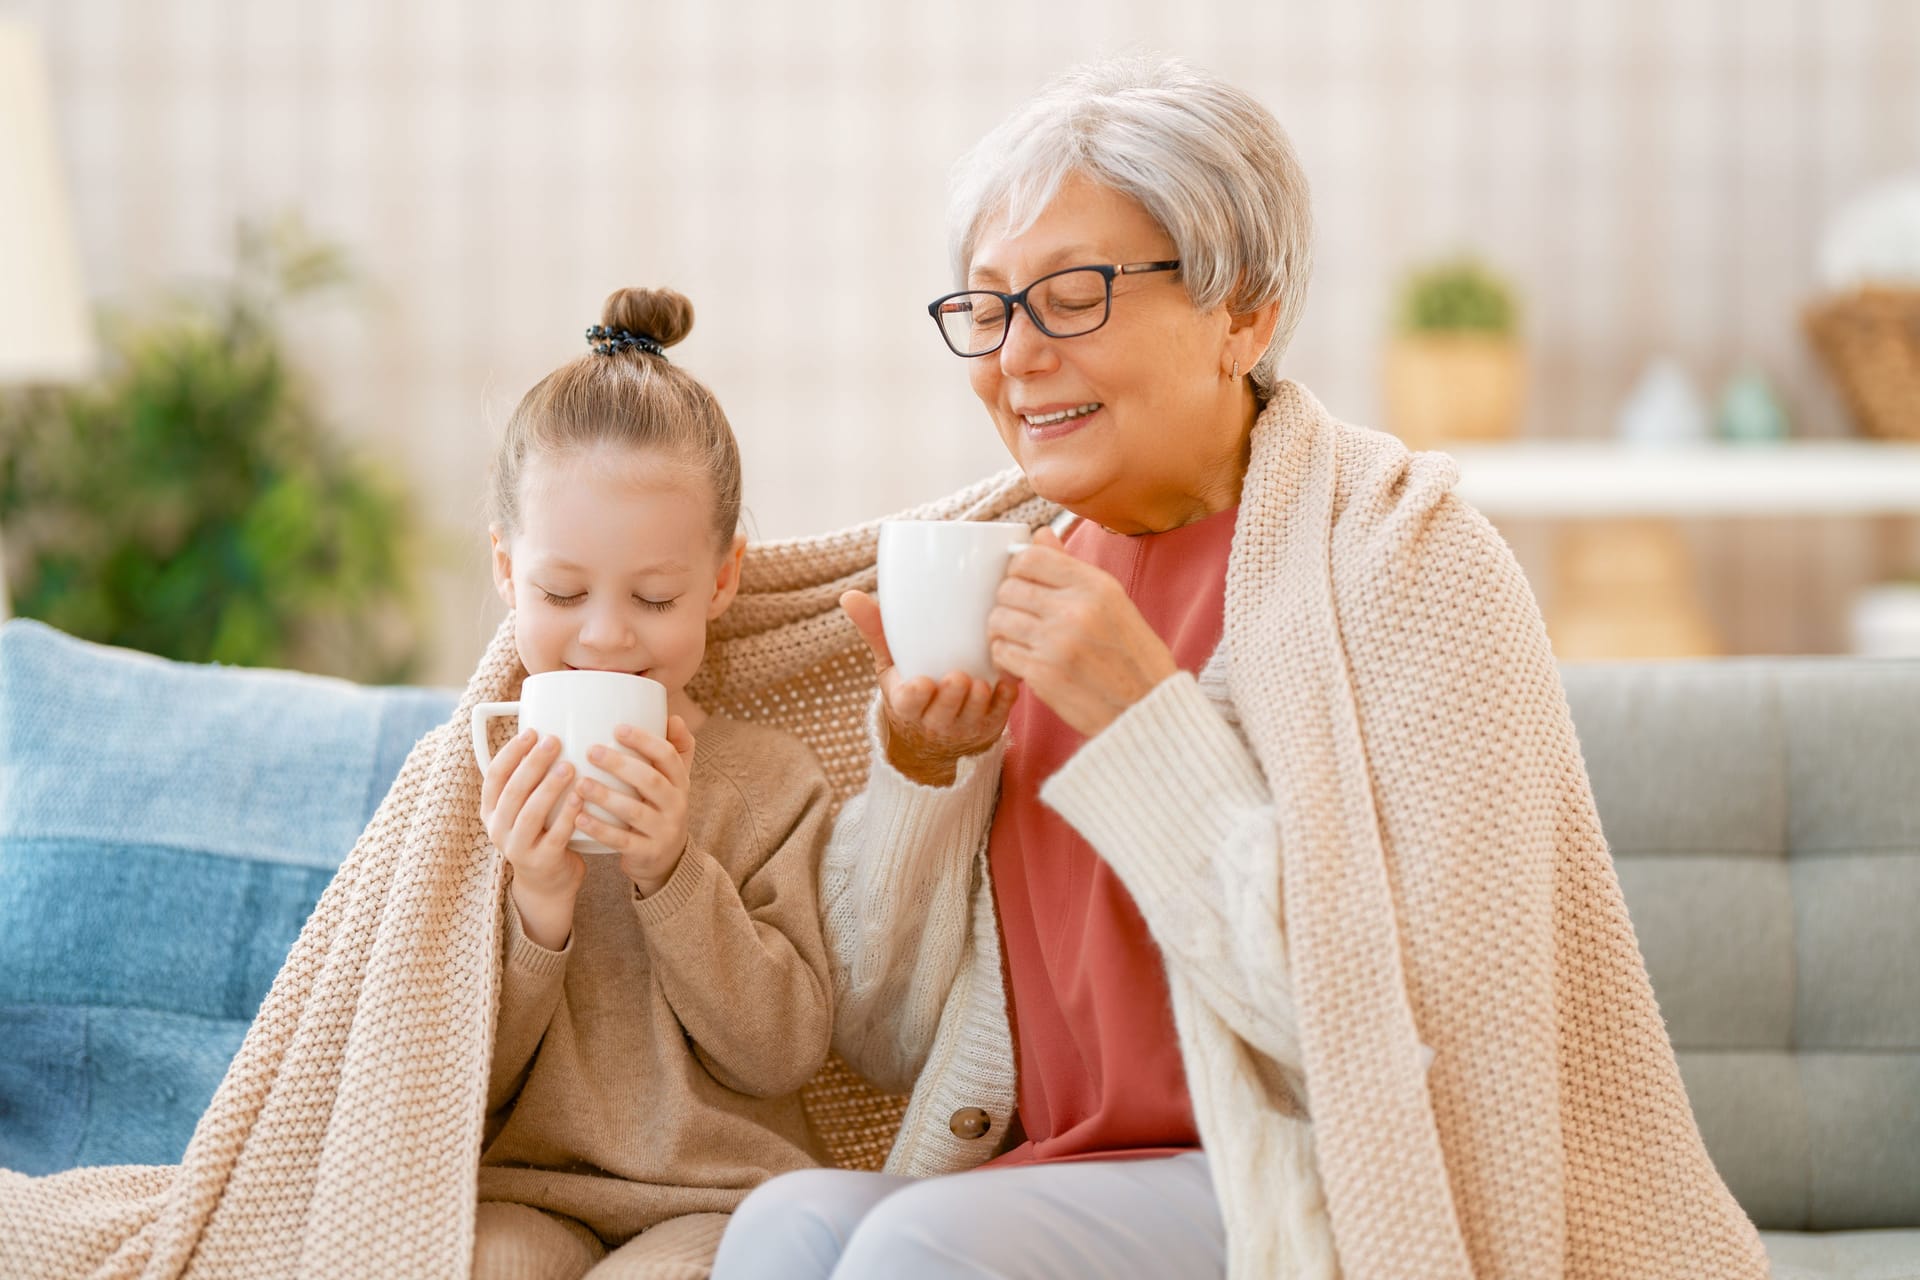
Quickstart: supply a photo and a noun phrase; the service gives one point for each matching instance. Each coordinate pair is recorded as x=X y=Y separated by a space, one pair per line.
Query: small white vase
x=1665 y=408
x=1886 y=621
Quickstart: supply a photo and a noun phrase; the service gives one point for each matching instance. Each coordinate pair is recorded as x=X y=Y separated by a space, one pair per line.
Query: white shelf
x=1598 y=479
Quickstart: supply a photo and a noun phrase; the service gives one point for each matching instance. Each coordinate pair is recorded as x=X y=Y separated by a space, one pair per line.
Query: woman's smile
x=1051 y=422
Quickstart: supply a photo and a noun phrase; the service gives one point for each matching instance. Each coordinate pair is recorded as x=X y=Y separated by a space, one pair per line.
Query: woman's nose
x=1026 y=351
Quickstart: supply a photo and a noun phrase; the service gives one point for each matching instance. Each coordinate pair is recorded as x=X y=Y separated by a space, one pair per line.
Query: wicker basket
x=1869 y=341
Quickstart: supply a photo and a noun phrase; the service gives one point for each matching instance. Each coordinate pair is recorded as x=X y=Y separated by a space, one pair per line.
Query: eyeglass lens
x=1064 y=306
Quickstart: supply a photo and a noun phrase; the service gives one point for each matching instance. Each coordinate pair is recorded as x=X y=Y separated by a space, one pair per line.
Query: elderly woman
x=1259 y=922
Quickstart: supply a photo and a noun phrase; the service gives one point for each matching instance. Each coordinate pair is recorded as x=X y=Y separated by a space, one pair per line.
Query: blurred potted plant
x=1455 y=370
x=191 y=503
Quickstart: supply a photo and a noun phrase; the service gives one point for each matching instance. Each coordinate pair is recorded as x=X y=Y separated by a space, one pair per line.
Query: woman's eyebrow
x=1077 y=255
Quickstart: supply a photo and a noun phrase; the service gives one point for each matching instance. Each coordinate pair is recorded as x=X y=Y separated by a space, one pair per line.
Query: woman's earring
x=1235 y=375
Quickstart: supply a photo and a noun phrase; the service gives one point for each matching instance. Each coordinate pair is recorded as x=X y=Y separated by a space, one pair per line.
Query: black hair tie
x=608 y=342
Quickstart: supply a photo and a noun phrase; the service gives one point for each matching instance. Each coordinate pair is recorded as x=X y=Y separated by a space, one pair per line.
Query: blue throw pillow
x=165 y=829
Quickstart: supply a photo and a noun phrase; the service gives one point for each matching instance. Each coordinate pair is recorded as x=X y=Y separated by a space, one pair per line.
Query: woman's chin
x=1062 y=475
x=1064 y=485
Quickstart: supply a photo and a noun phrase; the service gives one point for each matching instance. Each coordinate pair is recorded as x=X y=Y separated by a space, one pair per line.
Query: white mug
x=938 y=579
x=580 y=708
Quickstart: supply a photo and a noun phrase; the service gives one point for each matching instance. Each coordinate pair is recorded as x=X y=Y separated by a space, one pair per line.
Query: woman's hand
x=1068 y=631
x=931 y=725
x=652 y=830
x=521 y=787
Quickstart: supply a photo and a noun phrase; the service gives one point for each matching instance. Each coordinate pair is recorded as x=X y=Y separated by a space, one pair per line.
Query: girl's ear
x=727 y=585
x=502 y=564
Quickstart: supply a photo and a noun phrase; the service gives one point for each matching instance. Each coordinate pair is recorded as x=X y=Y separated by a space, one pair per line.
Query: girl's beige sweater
x=652 y=1068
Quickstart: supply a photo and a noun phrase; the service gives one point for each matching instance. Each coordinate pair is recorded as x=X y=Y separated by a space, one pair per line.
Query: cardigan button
x=970 y=1122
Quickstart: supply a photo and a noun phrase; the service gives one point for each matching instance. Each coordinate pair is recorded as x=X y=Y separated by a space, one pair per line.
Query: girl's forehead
x=562 y=487
x=609 y=471
x=627 y=506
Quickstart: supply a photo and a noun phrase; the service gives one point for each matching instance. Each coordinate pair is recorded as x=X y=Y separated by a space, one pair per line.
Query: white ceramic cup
x=938 y=579
x=580 y=708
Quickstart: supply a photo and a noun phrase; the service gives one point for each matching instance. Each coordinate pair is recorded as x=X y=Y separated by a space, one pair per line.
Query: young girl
x=659 y=1009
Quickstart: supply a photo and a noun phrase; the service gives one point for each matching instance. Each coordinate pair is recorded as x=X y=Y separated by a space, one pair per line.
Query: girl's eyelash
x=658 y=606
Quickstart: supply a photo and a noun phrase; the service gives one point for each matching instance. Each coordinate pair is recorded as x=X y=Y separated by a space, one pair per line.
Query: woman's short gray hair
x=1211 y=165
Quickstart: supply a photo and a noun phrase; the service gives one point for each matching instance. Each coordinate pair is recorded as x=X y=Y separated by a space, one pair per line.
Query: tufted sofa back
x=1764 y=815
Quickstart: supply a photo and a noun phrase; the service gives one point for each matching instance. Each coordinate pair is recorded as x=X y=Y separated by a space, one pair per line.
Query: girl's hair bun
x=624 y=391
x=664 y=315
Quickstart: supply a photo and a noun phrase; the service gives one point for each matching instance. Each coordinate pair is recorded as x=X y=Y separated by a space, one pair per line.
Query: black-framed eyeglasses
x=1062 y=304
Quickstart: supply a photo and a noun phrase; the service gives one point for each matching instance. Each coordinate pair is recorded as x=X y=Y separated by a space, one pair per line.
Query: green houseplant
x=190 y=502
x=1456 y=370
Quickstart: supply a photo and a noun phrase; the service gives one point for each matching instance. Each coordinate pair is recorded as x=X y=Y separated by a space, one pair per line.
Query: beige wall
x=1652 y=172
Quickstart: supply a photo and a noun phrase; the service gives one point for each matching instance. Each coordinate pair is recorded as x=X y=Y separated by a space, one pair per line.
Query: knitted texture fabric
x=345 y=1138
x=1444 y=883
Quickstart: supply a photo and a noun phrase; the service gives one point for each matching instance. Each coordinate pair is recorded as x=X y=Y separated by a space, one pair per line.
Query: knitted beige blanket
x=1446 y=887
x=345 y=1139
x=1444 y=877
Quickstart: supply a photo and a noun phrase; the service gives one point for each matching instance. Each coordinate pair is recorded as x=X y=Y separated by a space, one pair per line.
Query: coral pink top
x=1100 y=1074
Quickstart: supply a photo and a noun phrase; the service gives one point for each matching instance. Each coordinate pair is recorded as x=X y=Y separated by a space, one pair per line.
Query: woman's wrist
x=929 y=767
x=923 y=768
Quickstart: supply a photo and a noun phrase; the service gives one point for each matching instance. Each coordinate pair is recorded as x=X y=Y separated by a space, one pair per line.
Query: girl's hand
x=1069 y=632
x=520 y=789
x=652 y=830
x=931 y=725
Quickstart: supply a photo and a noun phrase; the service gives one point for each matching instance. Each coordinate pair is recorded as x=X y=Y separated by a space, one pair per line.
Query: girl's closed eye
x=657 y=606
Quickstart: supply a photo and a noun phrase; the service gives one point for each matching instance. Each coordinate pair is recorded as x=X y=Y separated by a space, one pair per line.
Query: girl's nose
x=606 y=629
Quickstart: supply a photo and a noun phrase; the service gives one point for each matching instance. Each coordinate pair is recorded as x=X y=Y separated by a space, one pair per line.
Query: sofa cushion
x=165 y=829
x=1845 y=1255
x=1765 y=821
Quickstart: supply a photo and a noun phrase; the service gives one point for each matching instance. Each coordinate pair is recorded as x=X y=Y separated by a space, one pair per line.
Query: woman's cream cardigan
x=1417 y=1031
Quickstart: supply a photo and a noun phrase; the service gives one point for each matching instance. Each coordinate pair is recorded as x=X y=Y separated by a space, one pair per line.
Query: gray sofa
x=1765 y=817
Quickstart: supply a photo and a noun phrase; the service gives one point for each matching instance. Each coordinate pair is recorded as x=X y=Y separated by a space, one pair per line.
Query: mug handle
x=481 y=715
